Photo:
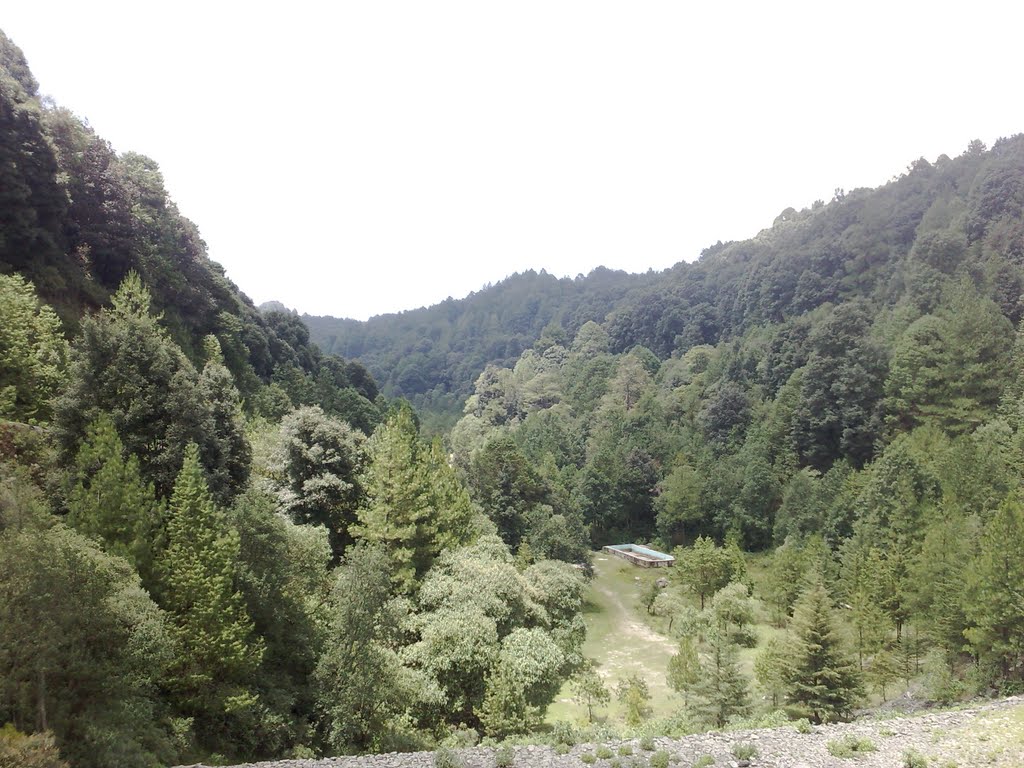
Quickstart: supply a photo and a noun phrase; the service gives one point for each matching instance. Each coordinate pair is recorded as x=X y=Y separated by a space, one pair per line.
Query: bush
x=803 y=725
x=704 y=761
x=588 y=758
x=604 y=752
x=647 y=743
x=745 y=637
x=744 y=751
x=625 y=750
x=20 y=751
x=660 y=759
x=504 y=756
x=562 y=749
x=448 y=758
x=850 y=746
x=563 y=732
x=914 y=759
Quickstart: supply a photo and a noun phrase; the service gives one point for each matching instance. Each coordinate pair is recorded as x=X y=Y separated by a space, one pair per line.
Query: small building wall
x=641 y=556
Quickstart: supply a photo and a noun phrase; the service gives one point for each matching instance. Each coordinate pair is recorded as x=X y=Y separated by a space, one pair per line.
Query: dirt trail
x=633 y=647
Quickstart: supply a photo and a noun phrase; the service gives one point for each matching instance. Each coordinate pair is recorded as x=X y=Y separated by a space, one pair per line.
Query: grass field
x=624 y=639
x=620 y=638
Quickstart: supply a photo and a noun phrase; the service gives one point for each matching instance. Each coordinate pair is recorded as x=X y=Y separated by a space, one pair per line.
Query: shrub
x=615 y=763
x=562 y=749
x=563 y=732
x=744 y=751
x=647 y=743
x=914 y=759
x=704 y=761
x=504 y=756
x=447 y=758
x=588 y=758
x=803 y=725
x=604 y=752
x=660 y=759
x=20 y=751
x=625 y=750
x=850 y=746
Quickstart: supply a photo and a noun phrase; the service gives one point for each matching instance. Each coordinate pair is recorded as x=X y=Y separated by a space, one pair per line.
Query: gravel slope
x=989 y=734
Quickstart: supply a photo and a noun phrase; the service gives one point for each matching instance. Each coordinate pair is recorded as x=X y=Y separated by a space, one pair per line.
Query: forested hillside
x=219 y=543
x=216 y=542
x=857 y=245
x=432 y=355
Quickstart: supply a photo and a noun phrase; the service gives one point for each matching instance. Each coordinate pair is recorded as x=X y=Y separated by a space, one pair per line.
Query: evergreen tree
x=33 y=353
x=684 y=667
x=218 y=654
x=996 y=606
x=110 y=501
x=415 y=505
x=721 y=690
x=822 y=684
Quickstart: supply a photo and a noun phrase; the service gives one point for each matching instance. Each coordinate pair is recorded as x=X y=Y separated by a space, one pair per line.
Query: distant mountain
x=929 y=222
x=433 y=355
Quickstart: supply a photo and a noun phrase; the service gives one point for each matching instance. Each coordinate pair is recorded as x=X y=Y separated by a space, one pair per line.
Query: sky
x=358 y=158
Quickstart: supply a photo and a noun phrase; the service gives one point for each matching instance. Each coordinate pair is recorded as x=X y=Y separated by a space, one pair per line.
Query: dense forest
x=218 y=542
x=431 y=356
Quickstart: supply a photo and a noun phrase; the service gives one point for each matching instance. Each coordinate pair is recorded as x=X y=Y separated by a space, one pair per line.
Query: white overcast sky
x=355 y=158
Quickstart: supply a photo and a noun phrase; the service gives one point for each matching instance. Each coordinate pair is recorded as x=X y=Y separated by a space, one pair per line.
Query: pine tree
x=996 y=607
x=218 y=655
x=684 y=667
x=721 y=691
x=822 y=684
x=110 y=502
x=417 y=507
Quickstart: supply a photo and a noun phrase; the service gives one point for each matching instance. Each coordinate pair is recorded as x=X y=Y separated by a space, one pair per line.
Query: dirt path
x=631 y=647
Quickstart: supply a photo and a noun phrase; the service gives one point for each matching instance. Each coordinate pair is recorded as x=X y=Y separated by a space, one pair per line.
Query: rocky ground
x=990 y=734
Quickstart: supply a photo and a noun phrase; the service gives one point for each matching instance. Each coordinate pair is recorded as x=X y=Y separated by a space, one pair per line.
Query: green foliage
x=217 y=655
x=822 y=684
x=316 y=469
x=33 y=353
x=589 y=690
x=588 y=758
x=504 y=756
x=995 y=608
x=634 y=695
x=704 y=568
x=914 y=759
x=82 y=647
x=744 y=751
x=111 y=503
x=647 y=743
x=850 y=746
x=603 y=752
x=625 y=750
x=18 y=750
x=415 y=507
x=360 y=687
x=721 y=691
x=684 y=667
x=660 y=759
x=704 y=761
x=448 y=758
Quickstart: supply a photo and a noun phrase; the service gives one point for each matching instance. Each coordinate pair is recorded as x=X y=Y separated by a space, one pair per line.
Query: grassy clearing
x=621 y=639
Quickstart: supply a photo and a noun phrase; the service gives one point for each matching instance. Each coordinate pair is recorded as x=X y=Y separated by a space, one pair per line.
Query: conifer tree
x=822 y=684
x=684 y=667
x=218 y=654
x=721 y=690
x=417 y=508
x=996 y=607
x=111 y=503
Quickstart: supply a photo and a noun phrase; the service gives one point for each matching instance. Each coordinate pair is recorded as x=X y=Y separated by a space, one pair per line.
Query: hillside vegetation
x=218 y=543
